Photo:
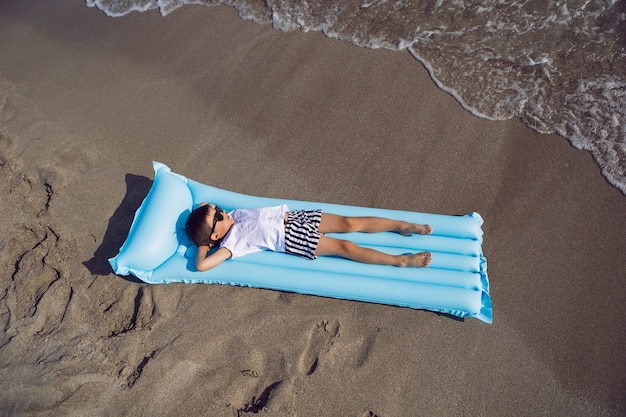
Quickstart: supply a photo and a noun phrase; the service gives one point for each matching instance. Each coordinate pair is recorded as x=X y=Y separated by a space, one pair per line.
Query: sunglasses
x=217 y=217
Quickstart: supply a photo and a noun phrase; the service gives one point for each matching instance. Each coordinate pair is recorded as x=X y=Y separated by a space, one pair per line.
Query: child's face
x=219 y=221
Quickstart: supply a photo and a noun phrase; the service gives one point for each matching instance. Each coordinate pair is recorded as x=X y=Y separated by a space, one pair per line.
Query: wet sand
x=87 y=103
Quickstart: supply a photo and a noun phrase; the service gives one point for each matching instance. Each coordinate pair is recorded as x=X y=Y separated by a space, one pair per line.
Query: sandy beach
x=87 y=102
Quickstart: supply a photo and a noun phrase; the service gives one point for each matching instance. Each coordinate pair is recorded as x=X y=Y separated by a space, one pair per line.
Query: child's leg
x=332 y=223
x=329 y=246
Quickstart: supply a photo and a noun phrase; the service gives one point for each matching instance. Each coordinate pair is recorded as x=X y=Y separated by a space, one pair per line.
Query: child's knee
x=349 y=224
x=347 y=247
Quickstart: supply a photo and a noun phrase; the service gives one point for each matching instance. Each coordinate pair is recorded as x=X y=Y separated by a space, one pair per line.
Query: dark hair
x=197 y=228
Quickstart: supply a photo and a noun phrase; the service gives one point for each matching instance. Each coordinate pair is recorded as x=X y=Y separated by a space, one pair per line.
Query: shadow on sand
x=137 y=188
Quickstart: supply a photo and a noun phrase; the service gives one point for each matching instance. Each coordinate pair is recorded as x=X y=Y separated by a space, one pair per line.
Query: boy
x=298 y=232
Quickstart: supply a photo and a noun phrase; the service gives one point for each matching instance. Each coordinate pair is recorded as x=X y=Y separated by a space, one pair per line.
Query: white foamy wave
x=599 y=126
x=118 y=8
x=122 y=7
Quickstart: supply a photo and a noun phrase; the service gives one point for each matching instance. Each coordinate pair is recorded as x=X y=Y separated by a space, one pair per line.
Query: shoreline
x=534 y=122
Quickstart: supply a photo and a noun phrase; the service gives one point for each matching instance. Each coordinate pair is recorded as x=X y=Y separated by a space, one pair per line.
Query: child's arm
x=204 y=262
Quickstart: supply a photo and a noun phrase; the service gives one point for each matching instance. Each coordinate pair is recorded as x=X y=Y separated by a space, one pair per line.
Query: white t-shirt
x=256 y=230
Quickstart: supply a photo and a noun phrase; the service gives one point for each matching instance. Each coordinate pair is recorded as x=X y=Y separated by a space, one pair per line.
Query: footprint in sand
x=321 y=337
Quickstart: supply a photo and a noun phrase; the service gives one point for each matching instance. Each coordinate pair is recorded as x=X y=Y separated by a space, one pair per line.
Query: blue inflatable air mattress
x=157 y=251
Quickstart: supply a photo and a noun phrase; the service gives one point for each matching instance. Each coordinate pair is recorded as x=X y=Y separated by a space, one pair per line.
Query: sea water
x=558 y=65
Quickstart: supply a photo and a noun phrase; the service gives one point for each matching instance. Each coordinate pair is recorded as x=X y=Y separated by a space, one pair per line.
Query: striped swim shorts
x=301 y=232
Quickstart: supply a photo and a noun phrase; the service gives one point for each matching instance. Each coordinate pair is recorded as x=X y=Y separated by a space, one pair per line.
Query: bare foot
x=410 y=228
x=419 y=260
